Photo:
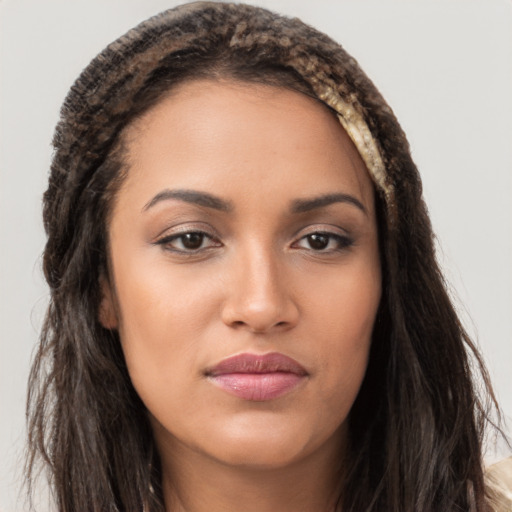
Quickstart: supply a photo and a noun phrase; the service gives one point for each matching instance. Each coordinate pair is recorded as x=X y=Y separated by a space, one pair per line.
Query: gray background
x=444 y=66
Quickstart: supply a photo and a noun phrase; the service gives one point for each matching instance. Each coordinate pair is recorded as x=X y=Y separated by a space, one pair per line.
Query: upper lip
x=257 y=363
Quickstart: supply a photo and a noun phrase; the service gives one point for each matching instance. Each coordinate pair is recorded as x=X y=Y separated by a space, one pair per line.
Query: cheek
x=164 y=316
x=342 y=314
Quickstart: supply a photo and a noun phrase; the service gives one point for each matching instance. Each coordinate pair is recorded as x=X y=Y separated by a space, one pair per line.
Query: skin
x=256 y=283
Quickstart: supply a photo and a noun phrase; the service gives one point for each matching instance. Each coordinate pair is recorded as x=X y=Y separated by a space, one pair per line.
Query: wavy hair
x=417 y=425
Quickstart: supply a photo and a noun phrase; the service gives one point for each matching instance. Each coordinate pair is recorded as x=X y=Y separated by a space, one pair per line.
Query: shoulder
x=498 y=479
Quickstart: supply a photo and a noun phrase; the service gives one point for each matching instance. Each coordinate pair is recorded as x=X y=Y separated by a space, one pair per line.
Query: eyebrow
x=216 y=203
x=193 y=197
x=306 y=205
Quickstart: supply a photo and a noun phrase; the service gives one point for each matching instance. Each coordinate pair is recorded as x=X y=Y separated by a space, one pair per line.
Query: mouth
x=257 y=377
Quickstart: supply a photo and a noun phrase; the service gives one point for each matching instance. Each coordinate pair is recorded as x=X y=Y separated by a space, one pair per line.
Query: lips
x=257 y=377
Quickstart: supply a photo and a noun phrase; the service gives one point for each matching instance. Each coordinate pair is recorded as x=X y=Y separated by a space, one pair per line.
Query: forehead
x=211 y=134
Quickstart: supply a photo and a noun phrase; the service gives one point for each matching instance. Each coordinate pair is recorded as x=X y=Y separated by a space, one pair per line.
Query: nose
x=258 y=294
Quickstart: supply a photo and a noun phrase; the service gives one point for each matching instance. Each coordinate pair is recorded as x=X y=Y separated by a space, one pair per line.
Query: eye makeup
x=190 y=241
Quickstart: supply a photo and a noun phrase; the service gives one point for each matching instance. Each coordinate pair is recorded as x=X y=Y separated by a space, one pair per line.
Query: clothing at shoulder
x=498 y=478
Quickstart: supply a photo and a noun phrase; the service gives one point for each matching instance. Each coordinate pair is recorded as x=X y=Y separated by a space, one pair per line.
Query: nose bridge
x=259 y=266
x=259 y=296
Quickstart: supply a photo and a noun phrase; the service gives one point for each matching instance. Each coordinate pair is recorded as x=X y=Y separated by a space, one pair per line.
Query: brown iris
x=318 y=241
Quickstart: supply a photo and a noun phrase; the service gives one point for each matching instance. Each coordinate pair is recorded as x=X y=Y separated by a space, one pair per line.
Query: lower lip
x=258 y=387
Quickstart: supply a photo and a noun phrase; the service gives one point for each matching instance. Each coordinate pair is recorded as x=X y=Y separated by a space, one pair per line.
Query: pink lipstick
x=257 y=377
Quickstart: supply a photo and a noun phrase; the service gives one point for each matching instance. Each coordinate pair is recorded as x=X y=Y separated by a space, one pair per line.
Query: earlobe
x=107 y=314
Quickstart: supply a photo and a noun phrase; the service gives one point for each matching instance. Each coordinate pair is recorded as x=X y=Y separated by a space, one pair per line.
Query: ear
x=107 y=314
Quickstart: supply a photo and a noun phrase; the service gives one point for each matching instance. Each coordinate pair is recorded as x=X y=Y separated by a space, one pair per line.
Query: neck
x=193 y=482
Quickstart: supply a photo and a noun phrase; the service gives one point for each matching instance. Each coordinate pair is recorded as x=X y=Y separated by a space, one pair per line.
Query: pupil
x=318 y=241
x=192 y=240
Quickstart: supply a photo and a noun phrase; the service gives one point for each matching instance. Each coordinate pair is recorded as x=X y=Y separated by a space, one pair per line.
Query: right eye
x=189 y=242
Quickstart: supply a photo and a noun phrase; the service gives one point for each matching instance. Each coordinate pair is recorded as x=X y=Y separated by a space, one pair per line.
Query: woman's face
x=245 y=273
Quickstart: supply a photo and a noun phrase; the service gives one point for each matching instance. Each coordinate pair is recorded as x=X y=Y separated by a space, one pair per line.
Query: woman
x=246 y=309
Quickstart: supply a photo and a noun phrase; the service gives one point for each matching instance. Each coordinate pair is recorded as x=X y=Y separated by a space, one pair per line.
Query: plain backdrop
x=444 y=66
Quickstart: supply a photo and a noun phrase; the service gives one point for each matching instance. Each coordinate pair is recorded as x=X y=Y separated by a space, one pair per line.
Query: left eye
x=191 y=241
x=324 y=242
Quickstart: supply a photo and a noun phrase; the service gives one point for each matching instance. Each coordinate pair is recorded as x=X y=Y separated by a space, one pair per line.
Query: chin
x=268 y=446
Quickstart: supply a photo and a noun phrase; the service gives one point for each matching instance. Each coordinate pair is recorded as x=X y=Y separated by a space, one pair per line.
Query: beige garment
x=498 y=478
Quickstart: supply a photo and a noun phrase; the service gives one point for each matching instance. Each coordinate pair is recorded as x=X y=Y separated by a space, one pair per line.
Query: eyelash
x=167 y=241
x=342 y=242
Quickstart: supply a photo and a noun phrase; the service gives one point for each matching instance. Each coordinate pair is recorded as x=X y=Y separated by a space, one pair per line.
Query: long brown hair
x=417 y=426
